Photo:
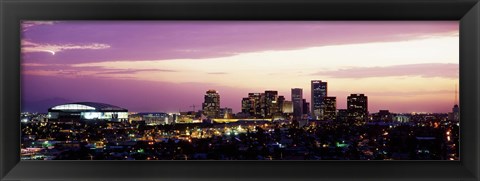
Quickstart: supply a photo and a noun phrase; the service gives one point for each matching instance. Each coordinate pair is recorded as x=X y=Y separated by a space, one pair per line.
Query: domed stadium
x=88 y=111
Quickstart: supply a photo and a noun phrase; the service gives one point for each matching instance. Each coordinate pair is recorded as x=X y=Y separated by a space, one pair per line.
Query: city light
x=383 y=91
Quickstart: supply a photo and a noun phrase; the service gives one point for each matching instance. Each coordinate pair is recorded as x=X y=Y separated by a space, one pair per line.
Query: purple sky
x=52 y=51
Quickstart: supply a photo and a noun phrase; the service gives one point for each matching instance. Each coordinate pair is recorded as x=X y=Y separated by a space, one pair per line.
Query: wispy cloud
x=29 y=47
x=76 y=71
x=444 y=70
x=26 y=25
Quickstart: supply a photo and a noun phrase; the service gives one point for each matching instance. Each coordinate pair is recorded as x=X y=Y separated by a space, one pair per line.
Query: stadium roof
x=87 y=106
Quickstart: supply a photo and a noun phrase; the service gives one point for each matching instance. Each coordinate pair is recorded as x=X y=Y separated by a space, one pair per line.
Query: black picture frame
x=13 y=11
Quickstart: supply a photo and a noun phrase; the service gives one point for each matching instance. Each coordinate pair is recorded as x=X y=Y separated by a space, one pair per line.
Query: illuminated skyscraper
x=330 y=110
x=357 y=106
x=247 y=106
x=263 y=105
x=270 y=106
x=297 y=99
x=258 y=101
x=211 y=104
x=318 y=92
x=254 y=104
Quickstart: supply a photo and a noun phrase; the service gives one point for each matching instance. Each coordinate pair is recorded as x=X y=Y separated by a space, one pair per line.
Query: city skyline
x=401 y=66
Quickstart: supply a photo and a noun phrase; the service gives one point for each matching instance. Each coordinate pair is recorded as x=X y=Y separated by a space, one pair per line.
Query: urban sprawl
x=268 y=127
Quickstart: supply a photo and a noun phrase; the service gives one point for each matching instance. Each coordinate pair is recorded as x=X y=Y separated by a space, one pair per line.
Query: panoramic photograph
x=240 y=90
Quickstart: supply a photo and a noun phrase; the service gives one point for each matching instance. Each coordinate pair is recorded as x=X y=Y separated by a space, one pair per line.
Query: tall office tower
x=280 y=101
x=257 y=100
x=306 y=107
x=270 y=105
x=318 y=92
x=211 y=104
x=357 y=106
x=297 y=99
x=330 y=112
x=247 y=106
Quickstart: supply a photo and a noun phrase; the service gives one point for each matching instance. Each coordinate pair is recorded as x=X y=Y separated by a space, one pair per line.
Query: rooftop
x=86 y=106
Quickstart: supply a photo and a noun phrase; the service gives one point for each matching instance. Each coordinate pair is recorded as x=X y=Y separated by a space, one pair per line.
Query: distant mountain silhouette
x=42 y=106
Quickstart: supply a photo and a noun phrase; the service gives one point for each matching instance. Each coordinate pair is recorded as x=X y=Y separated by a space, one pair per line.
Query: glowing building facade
x=318 y=93
x=211 y=104
x=330 y=109
x=88 y=111
x=270 y=105
x=253 y=105
x=357 y=106
x=263 y=105
x=155 y=118
x=226 y=113
x=287 y=107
